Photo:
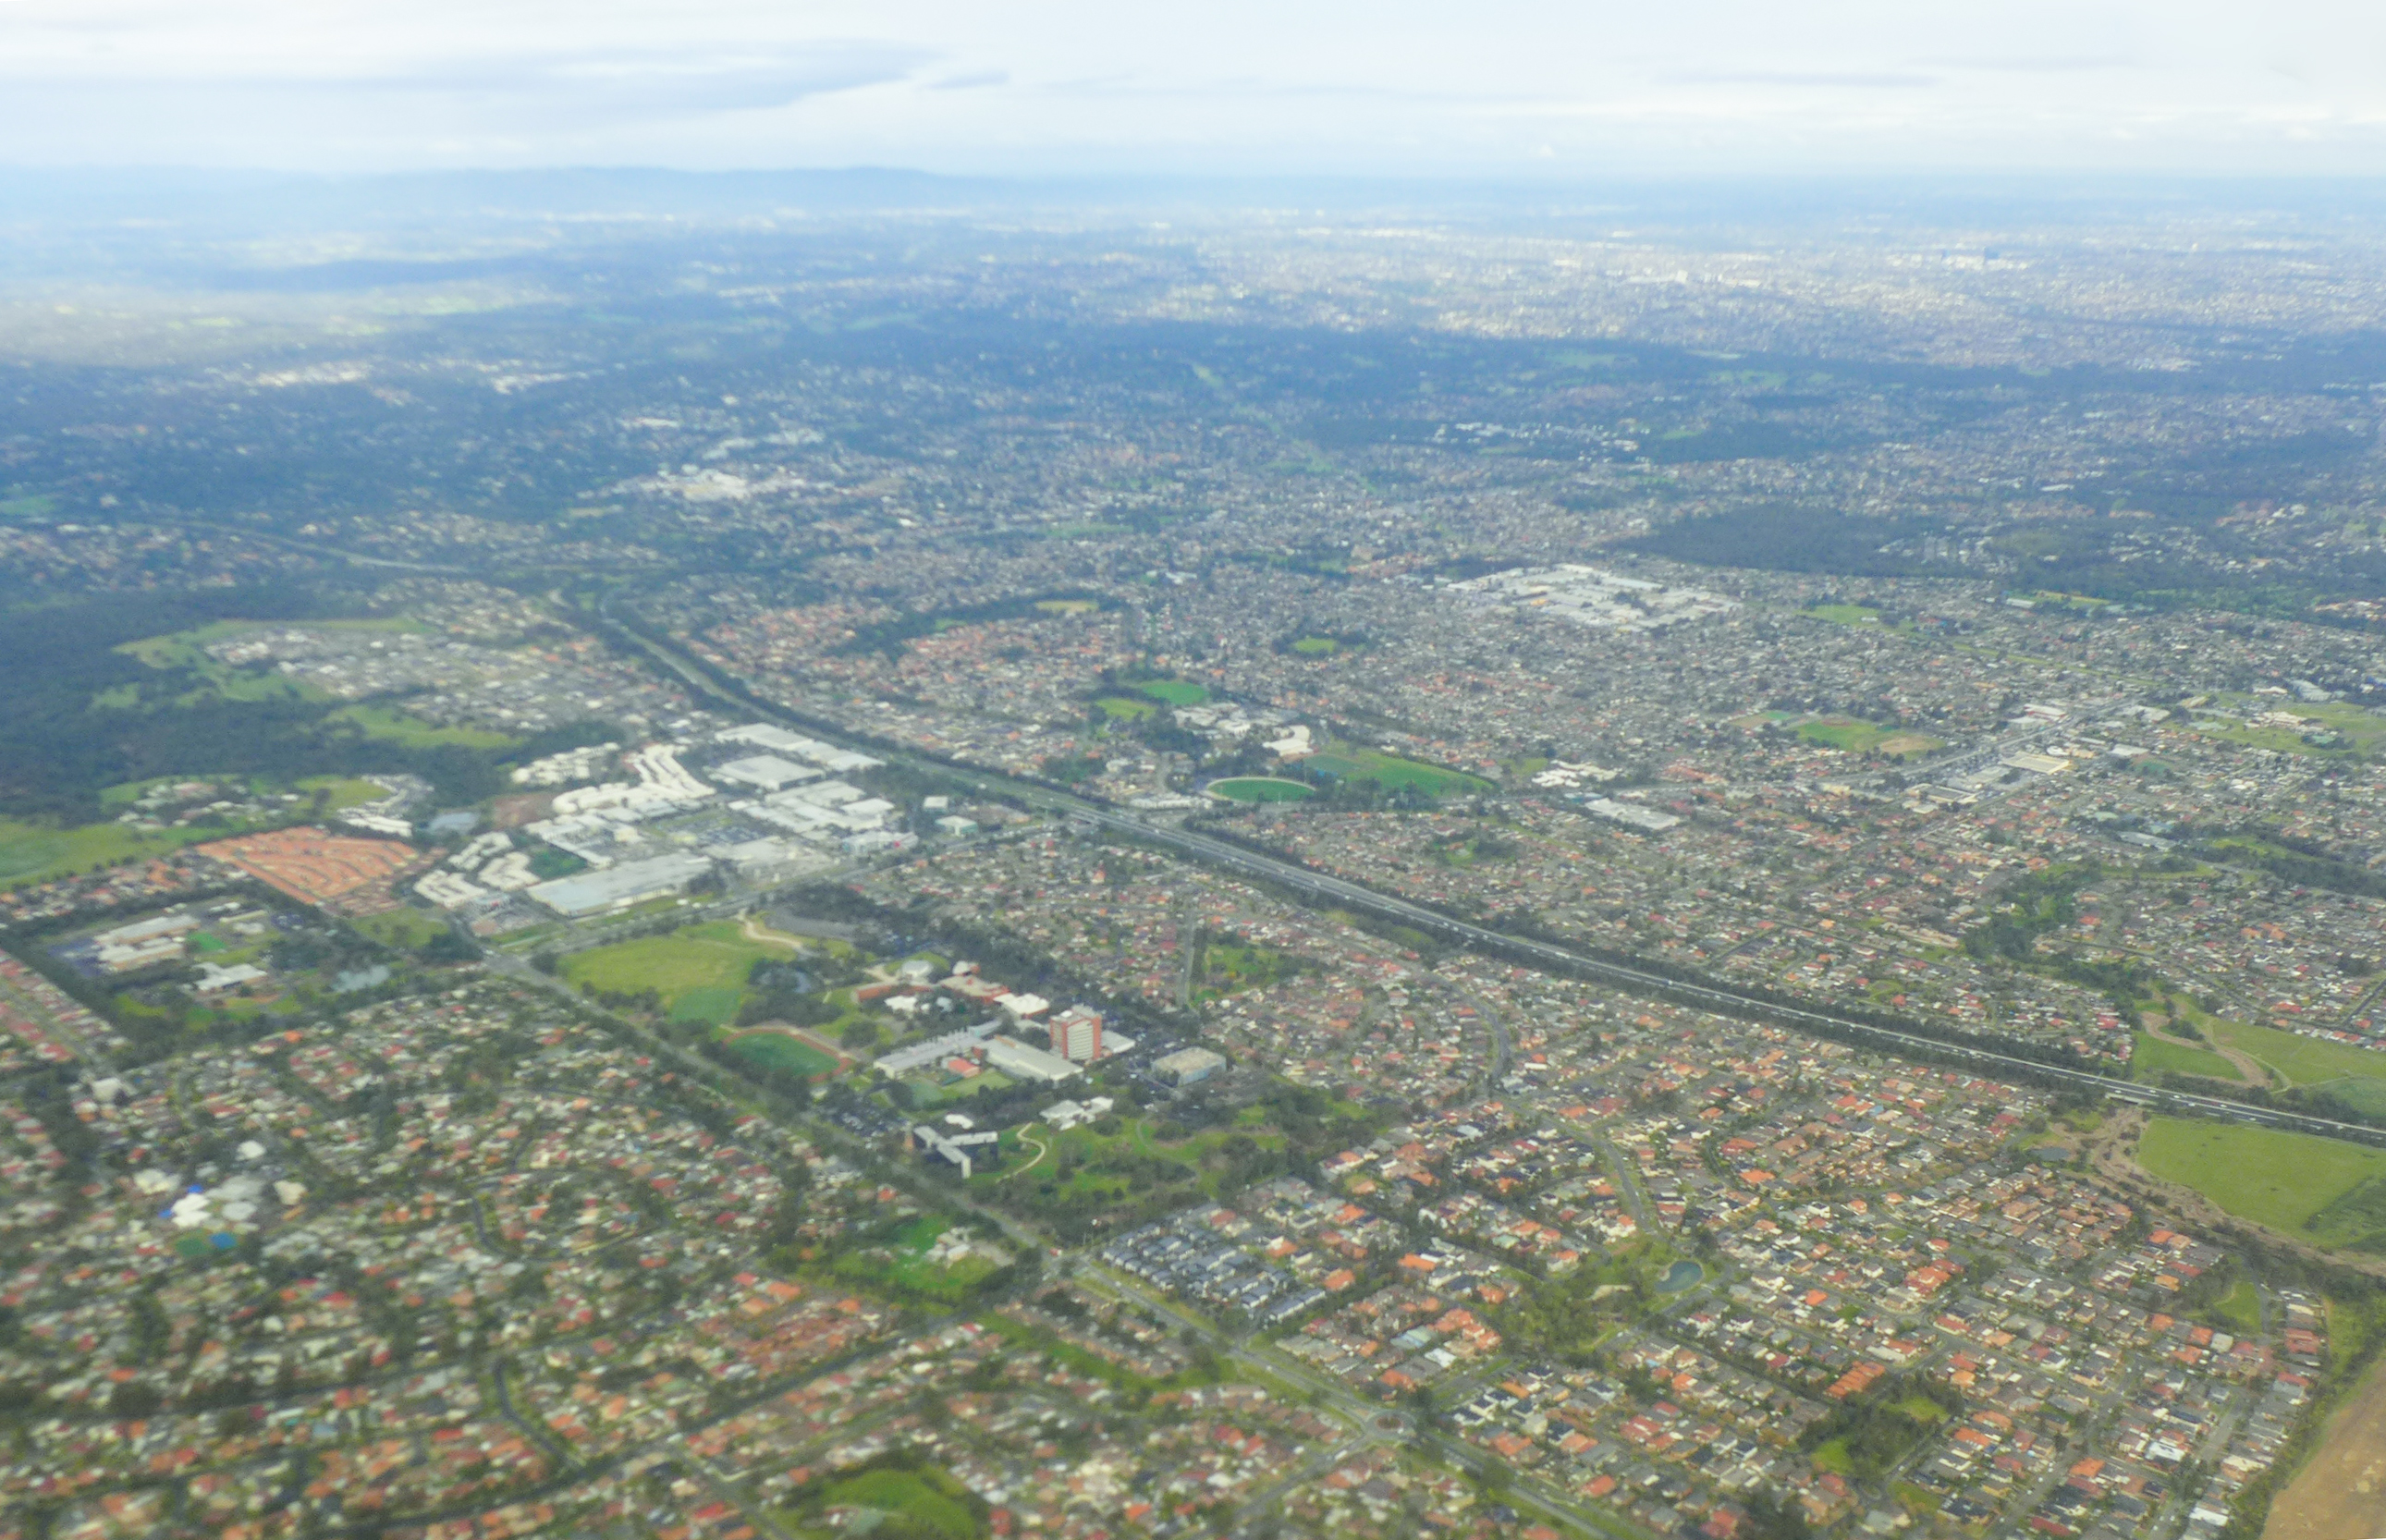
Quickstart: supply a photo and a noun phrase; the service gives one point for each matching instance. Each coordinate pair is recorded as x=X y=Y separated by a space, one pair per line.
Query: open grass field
x=1120 y=708
x=702 y=968
x=1319 y=646
x=2267 y=1175
x=2357 y=730
x=2153 y=1057
x=182 y=650
x=1857 y=736
x=1069 y=607
x=1351 y=762
x=340 y=791
x=925 y=1504
x=38 y=852
x=396 y=727
x=1175 y=691
x=1260 y=788
x=713 y=1005
x=2240 y=1308
x=403 y=928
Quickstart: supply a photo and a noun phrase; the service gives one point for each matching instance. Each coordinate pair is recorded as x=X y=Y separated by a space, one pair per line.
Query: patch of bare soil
x=2340 y=1492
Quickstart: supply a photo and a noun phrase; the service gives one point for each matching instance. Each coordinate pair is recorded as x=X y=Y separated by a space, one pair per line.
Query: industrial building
x=1021 y=1062
x=766 y=771
x=618 y=887
x=962 y=1149
x=1188 y=1066
x=918 y=1055
x=828 y=756
x=1630 y=815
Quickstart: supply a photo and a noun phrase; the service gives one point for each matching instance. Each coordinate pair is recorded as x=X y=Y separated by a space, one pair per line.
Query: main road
x=1815 y=1019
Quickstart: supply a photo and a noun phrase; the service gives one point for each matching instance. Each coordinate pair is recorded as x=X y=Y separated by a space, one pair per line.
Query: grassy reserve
x=406 y=929
x=40 y=852
x=2290 y=1182
x=2356 y=1076
x=392 y=726
x=905 y=1501
x=2346 y=730
x=901 y=1267
x=1353 y=763
x=2153 y=1057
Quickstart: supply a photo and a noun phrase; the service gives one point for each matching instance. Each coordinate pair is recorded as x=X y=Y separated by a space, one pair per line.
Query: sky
x=1514 y=89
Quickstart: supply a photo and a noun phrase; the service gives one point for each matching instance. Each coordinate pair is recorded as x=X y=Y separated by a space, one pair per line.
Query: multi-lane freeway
x=1814 y=1019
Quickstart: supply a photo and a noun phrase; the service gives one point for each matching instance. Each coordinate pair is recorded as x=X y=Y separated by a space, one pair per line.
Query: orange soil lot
x=334 y=870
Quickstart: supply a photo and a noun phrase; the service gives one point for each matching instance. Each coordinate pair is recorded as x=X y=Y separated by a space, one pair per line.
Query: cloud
x=2053 y=64
x=1818 y=80
x=501 y=105
x=976 y=81
x=1239 y=85
x=649 y=81
x=610 y=81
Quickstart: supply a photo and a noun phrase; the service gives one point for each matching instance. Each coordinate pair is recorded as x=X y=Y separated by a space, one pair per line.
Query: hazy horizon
x=1507 y=91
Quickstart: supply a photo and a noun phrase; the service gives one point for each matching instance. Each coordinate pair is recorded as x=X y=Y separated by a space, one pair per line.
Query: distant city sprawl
x=1422 y=874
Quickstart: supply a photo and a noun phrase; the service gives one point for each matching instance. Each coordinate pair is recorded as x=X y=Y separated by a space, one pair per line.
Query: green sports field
x=777 y=1050
x=1175 y=691
x=1856 y=737
x=699 y=971
x=1260 y=788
